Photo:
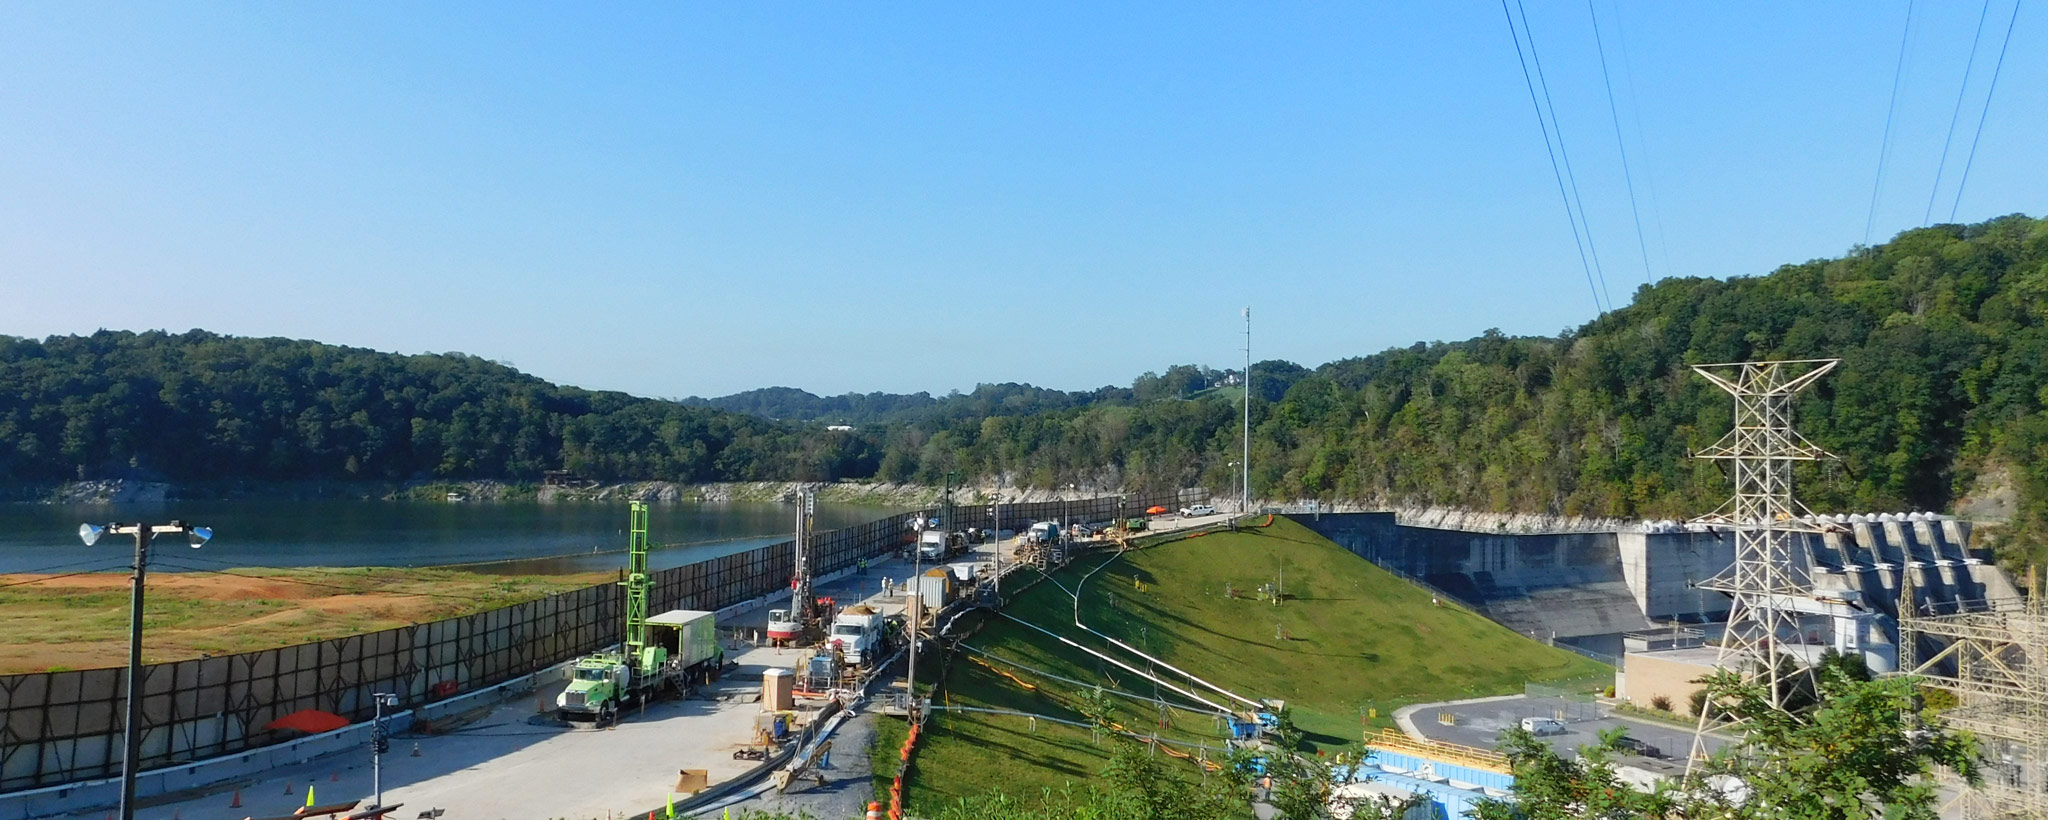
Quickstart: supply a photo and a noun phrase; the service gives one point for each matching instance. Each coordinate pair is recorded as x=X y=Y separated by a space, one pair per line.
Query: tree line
x=199 y=406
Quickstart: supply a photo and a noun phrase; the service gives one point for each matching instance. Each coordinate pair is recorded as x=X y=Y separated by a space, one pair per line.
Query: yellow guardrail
x=1392 y=740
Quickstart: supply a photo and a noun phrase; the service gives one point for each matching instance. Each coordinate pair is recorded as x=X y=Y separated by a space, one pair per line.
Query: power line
x=41 y=579
x=1996 y=69
x=1558 y=126
x=1885 y=147
x=1615 y=114
x=99 y=560
x=1628 y=78
x=1554 y=172
x=1927 y=216
x=289 y=580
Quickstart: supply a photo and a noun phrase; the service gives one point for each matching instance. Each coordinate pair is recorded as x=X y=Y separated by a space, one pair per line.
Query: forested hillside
x=1943 y=333
x=199 y=406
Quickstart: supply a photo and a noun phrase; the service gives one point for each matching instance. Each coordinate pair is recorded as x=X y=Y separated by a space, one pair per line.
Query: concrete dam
x=1587 y=590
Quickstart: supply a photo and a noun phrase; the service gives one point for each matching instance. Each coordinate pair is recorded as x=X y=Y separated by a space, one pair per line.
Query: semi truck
x=859 y=634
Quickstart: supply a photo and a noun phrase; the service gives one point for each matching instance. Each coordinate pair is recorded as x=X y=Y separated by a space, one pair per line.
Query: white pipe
x=1128 y=648
x=1127 y=667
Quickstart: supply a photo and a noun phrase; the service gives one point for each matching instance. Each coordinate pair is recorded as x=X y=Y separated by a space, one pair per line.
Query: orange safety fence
x=896 y=787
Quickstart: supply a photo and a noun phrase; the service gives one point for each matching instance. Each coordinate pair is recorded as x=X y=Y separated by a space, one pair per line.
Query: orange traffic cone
x=288 y=788
x=334 y=778
x=238 y=800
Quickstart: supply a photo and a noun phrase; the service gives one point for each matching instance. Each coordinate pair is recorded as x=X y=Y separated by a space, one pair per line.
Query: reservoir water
x=526 y=537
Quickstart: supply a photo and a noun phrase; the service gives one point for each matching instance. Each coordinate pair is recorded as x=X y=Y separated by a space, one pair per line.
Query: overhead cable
x=1554 y=171
x=1615 y=114
x=1884 y=149
x=1981 y=117
x=1557 y=126
x=1649 y=166
x=1927 y=216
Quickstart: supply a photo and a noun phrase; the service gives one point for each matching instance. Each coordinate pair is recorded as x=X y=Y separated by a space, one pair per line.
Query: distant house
x=840 y=428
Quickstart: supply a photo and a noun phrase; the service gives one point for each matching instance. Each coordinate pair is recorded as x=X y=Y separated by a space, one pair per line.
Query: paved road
x=1479 y=723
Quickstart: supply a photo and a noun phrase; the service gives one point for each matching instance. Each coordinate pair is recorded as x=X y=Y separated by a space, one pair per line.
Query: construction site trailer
x=935 y=587
x=695 y=635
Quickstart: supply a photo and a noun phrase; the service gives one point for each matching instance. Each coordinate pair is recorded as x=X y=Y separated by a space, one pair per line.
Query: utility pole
x=1244 y=499
x=911 y=613
x=379 y=744
x=131 y=726
x=995 y=514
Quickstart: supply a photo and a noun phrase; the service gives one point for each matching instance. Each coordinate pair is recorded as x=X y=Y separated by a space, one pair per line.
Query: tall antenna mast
x=1765 y=584
x=1244 y=487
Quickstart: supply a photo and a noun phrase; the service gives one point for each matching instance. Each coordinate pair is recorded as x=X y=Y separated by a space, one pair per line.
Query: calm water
x=36 y=537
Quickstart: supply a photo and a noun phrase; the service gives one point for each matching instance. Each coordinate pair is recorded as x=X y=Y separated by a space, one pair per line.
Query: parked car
x=1542 y=727
x=1629 y=745
x=1198 y=509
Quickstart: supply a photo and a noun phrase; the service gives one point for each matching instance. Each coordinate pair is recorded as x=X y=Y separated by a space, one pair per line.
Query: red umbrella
x=310 y=721
x=1155 y=510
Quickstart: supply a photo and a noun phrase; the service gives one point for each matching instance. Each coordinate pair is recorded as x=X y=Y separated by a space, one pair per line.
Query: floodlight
x=90 y=533
x=199 y=536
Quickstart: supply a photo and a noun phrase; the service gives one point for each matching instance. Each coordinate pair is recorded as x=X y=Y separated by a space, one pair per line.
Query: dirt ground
x=81 y=621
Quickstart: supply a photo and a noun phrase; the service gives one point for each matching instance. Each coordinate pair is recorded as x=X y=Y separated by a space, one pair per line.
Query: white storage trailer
x=691 y=638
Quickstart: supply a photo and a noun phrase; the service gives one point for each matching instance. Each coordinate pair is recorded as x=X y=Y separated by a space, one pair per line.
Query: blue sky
x=678 y=199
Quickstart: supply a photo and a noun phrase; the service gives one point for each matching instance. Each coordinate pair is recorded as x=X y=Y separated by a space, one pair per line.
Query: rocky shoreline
x=877 y=493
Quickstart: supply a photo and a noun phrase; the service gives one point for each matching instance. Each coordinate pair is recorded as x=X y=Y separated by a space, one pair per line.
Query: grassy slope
x=1356 y=636
x=81 y=622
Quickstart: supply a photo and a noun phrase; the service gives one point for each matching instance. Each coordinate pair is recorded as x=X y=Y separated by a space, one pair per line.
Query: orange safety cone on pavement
x=874 y=811
x=238 y=800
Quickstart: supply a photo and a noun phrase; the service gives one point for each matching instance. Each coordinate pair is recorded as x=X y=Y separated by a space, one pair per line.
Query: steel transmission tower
x=1765 y=584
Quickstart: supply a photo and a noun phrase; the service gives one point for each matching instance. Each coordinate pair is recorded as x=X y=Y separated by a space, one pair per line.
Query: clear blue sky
x=678 y=199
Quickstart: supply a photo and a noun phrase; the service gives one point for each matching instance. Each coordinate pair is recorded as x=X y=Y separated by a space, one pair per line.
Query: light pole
x=1066 y=527
x=379 y=744
x=911 y=611
x=131 y=729
x=995 y=512
x=1232 y=467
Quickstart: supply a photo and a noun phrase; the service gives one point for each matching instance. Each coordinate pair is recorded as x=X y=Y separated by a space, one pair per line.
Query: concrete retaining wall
x=1586 y=588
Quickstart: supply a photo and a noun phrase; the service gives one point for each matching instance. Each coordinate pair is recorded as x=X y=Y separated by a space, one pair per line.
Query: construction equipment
x=859 y=634
x=670 y=651
x=939 y=545
x=801 y=623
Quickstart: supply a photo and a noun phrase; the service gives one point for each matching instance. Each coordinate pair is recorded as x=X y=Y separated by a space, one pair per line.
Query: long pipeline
x=1083 y=583
x=1220 y=708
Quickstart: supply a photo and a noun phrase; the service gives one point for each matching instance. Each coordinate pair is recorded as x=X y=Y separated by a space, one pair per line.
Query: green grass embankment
x=1346 y=637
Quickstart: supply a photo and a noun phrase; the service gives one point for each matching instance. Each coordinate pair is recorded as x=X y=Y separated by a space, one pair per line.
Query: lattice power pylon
x=1765 y=584
x=1994 y=658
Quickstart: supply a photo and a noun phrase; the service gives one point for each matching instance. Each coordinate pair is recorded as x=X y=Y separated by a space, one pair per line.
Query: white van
x=1541 y=727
